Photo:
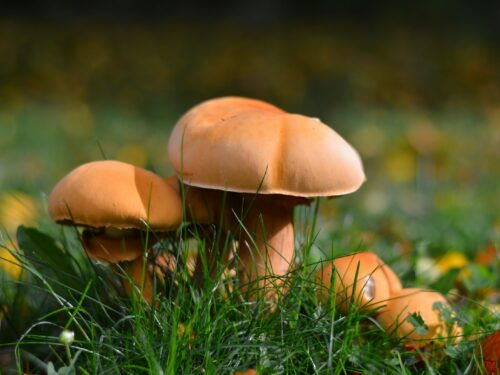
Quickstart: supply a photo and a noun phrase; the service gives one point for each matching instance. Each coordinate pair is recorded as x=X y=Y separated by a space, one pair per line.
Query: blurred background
x=414 y=87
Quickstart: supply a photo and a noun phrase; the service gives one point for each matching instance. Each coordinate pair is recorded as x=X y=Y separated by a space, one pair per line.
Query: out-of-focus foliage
x=15 y=209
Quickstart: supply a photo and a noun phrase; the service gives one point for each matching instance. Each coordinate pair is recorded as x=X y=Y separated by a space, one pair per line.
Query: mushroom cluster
x=364 y=281
x=242 y=165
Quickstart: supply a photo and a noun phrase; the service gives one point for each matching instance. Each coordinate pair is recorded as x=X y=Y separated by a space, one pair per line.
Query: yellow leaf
x=15 y=209
x=452 y=260
x=9 y=264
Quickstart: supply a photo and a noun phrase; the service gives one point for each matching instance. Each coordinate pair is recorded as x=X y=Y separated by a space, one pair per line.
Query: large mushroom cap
x=115 y=194
x=246 y=145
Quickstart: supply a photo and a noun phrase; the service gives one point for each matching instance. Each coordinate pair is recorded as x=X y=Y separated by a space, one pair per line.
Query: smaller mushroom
x=363 y=279
x=425 y=304
x=124 y=209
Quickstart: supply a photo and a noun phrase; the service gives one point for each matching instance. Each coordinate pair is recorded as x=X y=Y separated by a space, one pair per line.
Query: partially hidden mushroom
x=265 y=161
x=362 y=280
x=418 y=317
x=124 y=210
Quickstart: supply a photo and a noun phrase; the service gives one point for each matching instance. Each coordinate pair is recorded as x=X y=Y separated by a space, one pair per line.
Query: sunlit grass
x=414 y=221
x=213 y=329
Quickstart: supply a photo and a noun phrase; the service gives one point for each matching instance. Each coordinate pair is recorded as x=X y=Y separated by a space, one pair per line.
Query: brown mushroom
x=124 y=209
x=362 y=278
x=267 y=161
x=423 y=304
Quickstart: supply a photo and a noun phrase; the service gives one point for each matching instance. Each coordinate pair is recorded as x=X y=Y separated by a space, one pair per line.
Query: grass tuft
x=200 y=328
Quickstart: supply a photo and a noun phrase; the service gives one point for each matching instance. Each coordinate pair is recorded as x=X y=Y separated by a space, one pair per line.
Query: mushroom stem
x=124 y=247
x=142 y=280
x=143 y=275
x=266 y=245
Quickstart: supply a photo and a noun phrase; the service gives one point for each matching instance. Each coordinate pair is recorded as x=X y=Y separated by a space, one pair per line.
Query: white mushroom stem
x=266 y=245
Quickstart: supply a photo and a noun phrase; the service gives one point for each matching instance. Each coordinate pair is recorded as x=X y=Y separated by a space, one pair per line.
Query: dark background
x=461 y=14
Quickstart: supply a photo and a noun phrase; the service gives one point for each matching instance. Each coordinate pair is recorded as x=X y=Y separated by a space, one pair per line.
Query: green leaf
x=51 y=369
x=48 y=258
x=64 y=370
x=418 y=323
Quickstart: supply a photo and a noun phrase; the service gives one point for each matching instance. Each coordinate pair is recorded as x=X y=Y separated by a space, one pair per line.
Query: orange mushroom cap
x=247 y=146
x=119 y=198
x=363 y=278
x=422 y=302
x=115 y=194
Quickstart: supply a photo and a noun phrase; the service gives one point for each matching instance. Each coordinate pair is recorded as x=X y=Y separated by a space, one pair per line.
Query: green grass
x=61 y=289
x=447 y=204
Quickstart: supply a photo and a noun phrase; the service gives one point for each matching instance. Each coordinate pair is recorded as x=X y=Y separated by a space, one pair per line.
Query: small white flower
x=67 y=337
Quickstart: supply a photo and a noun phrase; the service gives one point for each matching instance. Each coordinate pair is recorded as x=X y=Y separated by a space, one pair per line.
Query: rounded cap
x=246 y=145
x=115 y=194
x=363 y=275
x=423 y=303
